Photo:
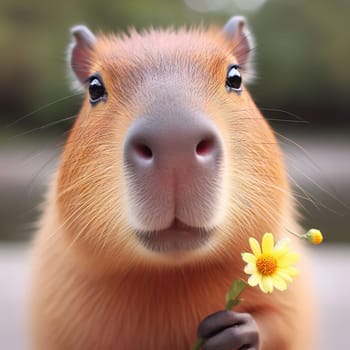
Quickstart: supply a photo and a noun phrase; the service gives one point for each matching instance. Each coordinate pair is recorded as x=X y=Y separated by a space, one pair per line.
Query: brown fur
x=93 y=286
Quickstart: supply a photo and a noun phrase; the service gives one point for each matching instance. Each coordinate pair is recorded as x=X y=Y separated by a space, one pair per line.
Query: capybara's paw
x=229 y=330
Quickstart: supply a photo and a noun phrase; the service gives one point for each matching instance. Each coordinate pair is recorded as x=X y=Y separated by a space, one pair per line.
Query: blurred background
x=302 y=59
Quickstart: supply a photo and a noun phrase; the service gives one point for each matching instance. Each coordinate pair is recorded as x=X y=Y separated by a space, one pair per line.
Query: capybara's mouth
x=177 y=237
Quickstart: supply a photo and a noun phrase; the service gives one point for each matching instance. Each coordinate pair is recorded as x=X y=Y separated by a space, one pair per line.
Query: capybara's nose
x=181 y=148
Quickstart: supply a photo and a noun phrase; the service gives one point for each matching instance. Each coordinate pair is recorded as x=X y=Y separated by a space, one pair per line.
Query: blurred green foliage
x=302 y=54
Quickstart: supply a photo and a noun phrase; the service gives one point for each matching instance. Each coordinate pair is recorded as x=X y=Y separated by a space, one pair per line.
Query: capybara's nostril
x=205 y=147
x=143 y=151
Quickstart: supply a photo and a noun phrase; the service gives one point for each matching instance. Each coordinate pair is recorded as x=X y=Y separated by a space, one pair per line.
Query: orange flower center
x=316 y=238
x=266 y=264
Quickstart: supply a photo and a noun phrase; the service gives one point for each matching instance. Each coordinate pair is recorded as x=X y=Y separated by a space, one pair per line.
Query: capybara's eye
x=97 y=90
x=233 y=79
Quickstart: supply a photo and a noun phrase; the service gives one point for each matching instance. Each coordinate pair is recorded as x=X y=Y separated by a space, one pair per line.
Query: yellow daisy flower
x=271 y=265
x=314 y=236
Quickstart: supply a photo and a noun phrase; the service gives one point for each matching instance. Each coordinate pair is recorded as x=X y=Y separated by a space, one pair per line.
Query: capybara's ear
x=79 y=55
x=236 y=30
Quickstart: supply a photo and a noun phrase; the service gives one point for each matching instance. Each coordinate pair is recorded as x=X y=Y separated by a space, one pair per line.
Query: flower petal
x=284 y=242
x=249 y=258
x=283 y=273
x=267 y=243
x=254 y=280
x=254 y=246
x=288 y=259
x=280 y=252
x=290 y=271
x=279 y=282
x=250 y=269
x=266 y=284
x=282 y=247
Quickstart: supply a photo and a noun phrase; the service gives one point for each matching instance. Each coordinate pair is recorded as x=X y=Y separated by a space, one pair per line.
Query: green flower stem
x=296 y=234
x=232 y=300
x=198 y=344
x=232 y=296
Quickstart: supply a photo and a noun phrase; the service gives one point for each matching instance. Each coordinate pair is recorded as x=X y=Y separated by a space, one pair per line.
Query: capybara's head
x=169 y=161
